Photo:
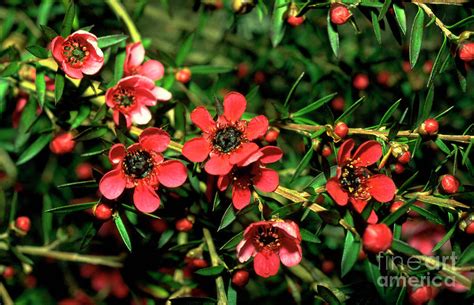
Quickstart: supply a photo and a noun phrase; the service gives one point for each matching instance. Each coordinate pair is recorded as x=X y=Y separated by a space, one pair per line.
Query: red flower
x=62 y=143
x=227 y=141
x=78 y=54
x=135 y=54
x=131 y=96
x=252 y=174
x=354 y=182
x=141 y=166
x=269 y=242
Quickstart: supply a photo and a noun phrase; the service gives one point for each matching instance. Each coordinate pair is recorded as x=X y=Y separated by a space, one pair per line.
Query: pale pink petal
x=289 y=227
x=141 y=115
x=245 y=250
x=290 y=252
x=152 y=69
x=71 y=72
x=162 y=94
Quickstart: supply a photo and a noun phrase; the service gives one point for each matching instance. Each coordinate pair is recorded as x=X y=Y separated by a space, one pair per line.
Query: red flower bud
x=259 y=77
x=383 y=78
x=240 y=278
x=377 y=238
x=84 y=171
x=295 y=21
x=341 y=130
x=405 y=158
x=339 y=14
x=272 y=135
x=183 y=75
x=327 y=266
x=159 y=225
x=428 y=66
x=449 y=184
x=326 y=151
x=23 y=223
x=361 y=81
x=9 y=272
x=199 y=263
x=338 y=103
x=421 y=295
x=396 y=205
x=62 y=143
x=242 y=70
x=184 y=225
x=103 y=211
x=398 y=168
x=470 y=228
x=429 y=127
x=466 y=52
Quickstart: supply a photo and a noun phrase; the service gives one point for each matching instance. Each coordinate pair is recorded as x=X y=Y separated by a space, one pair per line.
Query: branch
x=221 y=295
x=118 y=8
x=438 y=22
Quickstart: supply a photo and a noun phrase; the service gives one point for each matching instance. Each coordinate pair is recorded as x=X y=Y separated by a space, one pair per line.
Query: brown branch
x=438 y=22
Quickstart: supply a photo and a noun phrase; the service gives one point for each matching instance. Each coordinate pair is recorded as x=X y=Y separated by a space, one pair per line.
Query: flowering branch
x=221 y=295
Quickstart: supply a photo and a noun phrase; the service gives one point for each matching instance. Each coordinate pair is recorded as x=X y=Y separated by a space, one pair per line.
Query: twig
x=118 y=8
x=438 y=22
x=221 y=295
x=5 y=296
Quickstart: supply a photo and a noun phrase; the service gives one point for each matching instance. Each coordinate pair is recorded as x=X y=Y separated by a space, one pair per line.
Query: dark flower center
x=353 y=178
x=267 y=237
x=138 y=164
x=227 y=139
x=75 y=52
x=124 y=97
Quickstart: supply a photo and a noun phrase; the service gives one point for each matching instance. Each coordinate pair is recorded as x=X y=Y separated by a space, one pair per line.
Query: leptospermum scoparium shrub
x=236 y=152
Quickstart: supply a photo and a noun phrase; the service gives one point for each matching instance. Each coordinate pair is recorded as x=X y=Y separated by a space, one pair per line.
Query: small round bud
x=184 y=225
x=361 y=81
x=466 y=52
x=405 y=158
x=295 y=21
x=62 y=143
x=338 y=103
x=398 y=168
x=377 y=238
x=396 y=205
x=428 y=66
x=467 y=224
x=383 y=78
x=259 y=78
x=23 y=223
x=183 y=75
x=421 y=295
x=103 y=211
x=9 y=272
x=159 y=225
x=339 y=14
x=198 y=263
x=326 y=151
x=449 y=184
x=240 y=278
x=84 y=171
x=272 y=135
x=429 y=127
x=341 y=130
x=327 y=266
x=242 y=70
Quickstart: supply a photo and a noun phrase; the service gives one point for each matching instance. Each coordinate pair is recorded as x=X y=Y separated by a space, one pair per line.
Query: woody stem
x=438 y=22
x=221 y=295
x=118 y=8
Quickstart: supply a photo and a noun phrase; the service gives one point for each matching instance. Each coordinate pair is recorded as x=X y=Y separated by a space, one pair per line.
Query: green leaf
x=185 y=49
x=277 y=31
x=309 y=236
x=13 y=204
x=47 y=219
x=123 y=231
x=314 y=105
x=333 y=35
x=48 y=32
x=110 y=40
x=118 y=66
x=34 y=148
x=71 y=208
x=59 y=86
x=78 y=184
x=192 y=301
x=445 y=238
x=376 y=26
x=210 y=271
x=389 y=112
x=11 y=69
x=82 y=115
x=427 y=105
x=393 y=217
x=401 y=17
x=292 y=90
x=165 y=237
x=210 y=69
x=350 y=253
x=467 y=257
x=403 y=247
x=227 y=218
x=427 y=214
x=28 y=116
x=66 y=27
x=40 y=83
x=383 y=11
x=326 y=293
x=233 y=242
x=350 y=110
x=416 y=37
x=231 y=294
x=38 y=51
x=303 y=164
x=91 y=133
x=444 y=148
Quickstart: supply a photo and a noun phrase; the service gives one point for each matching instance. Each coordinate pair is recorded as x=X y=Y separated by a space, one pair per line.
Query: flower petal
x=91 y=67
x=289 y=227
x=71 y=72
x=152 y=69
x=223 y=182
x=345 y=151
x=135 y=55
x=117 y=153
x=112 y=184
x=155 y=139
x=240 y=196
x=336 y=192
x=141 y=115
x=234 y=106
x=359 y=206
x=162 y=94
x=290 y=252
x=271 y=154
x=381 y=188
x=243 y=152
x=202 y=119
x=266 y=263
x=145 y=198
x=245 y=250
x=56 y=47
x=267 y=180
x=218 y=165
x=172 y=173
x=368 y=153
x=257 y=127
x=196 y=150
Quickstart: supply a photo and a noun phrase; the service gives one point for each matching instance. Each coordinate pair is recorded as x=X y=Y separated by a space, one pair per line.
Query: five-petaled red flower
x=354 y=182
x=131 y=96
x=269 y=242
x=135 y=55
x=141 y=166
x=78 y=54
x=227 y=141
x=252 y=173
